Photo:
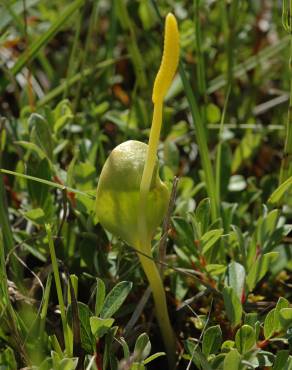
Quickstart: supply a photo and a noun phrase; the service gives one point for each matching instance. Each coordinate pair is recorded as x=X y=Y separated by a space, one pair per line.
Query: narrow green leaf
x=16 y=8
x=281 y=191
x=126 y=349
x=215 y=269
x=32 y=147
x=100 y=295
x=132 y=43
x=232 y=305
x=269 y=324
x=201 y=136
x=209 y=239
x=259 y=269
x=153 y=357
x=50 y=183
x=32 y=51
x=142 y=347
x=58 y=90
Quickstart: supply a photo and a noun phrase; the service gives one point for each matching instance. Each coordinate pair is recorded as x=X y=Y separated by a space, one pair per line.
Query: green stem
x=202 y=143
x=7 y=311
x=58 y=287
x=127 y=25
x=152 y=149
x=45 y=305
x=47 y=182
x=286 y=164
x=159 y=297
x=201 y=72
x=230 y=41
x=71 y=66
x=4 y=221
x=219 y=151
x=163 y=80
x=84 y=55
x=144 y=244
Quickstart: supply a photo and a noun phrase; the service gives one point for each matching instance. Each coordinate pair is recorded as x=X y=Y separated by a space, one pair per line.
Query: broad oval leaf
x=285 y=316
x=245 y=339
x=115 y=298
x=236 y=278
x=232 y=360
x=212 y=340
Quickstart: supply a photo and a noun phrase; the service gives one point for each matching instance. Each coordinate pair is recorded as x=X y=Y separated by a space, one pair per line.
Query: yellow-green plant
x=131 y=198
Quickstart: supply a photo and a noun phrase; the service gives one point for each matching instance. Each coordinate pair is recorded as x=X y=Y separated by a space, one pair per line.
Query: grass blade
x=202 y=143
x=34 y=48
x=47 y=182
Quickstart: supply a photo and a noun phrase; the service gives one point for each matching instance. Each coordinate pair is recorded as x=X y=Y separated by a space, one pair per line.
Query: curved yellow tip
x=169 y=59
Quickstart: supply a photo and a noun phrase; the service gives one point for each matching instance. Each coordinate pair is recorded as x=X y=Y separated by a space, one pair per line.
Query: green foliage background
x=76 y=80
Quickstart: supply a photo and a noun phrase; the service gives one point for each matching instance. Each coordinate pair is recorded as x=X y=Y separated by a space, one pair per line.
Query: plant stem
x=201 y=72
x=45 y=305
x=159 y=297
x=200 y=57
x=58 y=288
x=4 y=220
x=219 y=150
x=144 y=243
x=47 y=182
x=6 y=309
x=152 y=149
x=286 y=164
x=202 y=143
x=230 y=42
x=162 y=82
x=136 y=56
